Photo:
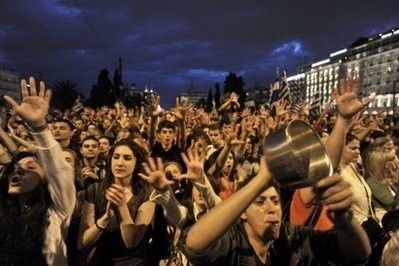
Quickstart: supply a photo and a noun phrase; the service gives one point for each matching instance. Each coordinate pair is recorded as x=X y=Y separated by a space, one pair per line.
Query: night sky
x=171 y=44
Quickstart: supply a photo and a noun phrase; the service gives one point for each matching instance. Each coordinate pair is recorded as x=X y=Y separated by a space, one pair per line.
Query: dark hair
x=62 y=120
x=25 y=230
x=110 y=141
x=377 y=134
x=140 y=188
x=390 y=221
x=245 y=182
x=90 y=137
x=166 y=124
x=395 y=133
x=197 y=135
x=350 y=137
x=214 y=127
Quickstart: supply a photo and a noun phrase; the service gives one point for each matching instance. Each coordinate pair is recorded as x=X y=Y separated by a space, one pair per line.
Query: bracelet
x=99 y=227
x=38 y=129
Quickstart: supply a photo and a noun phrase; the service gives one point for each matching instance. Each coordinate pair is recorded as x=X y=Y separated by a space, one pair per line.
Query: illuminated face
x=26 y=177
x=351 y=151
x=89 y=149
x=61 y=131
x=173 y=170
x=106 y=123
x=79 y=124
x=215 y=137
x=227 y=129
x=200 y=146
x=104 y=145
x=248 y=144
x=166 y=137
x=123 y=162
x=228 y=165
x=91 y=128
x=263 y=217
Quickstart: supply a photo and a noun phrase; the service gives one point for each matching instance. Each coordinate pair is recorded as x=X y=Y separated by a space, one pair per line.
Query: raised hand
x=233 y=138
x=281 y=108
x=195 y=165
x=155 y=174
x=34 y=107
x=346 y=97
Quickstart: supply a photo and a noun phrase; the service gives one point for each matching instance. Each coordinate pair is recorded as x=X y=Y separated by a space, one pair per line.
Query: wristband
x=99 y=227
x=38 y=129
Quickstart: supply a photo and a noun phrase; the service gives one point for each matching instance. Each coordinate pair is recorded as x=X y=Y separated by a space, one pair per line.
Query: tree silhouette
x=117 y=84
x=209 y=101
x=64 y=94
x=101 y=94
x=217 y=95
x=234 y=83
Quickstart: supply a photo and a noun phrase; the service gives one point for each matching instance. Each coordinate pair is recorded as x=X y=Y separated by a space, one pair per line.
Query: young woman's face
x=228 y=165
x=26 y=177
x=123 y=162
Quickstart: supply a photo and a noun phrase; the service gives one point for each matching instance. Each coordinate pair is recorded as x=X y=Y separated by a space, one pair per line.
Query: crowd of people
x=185 y=186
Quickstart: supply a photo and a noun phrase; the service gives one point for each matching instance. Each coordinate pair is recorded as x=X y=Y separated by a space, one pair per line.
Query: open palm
x=34 y=107
x=155 y=175
x=348 y=103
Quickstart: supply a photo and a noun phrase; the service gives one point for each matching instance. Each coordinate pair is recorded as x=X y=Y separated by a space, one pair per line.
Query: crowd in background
x=183 y=186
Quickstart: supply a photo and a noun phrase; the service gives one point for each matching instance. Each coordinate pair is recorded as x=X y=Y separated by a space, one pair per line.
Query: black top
x=110 y=248
x=171 y=155
x=297 y=245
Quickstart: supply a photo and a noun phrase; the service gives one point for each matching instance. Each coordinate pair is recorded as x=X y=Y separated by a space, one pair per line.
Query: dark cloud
x=171 y=44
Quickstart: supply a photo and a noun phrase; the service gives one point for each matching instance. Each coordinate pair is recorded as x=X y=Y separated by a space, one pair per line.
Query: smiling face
x=262 y=219
x=123 y=162
x=26 y=177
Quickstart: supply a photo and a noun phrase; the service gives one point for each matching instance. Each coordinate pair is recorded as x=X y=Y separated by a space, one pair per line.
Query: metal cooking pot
x=296 y=156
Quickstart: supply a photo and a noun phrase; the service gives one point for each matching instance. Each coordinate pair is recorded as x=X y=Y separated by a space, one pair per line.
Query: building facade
x=9 y=82
x=374 y=60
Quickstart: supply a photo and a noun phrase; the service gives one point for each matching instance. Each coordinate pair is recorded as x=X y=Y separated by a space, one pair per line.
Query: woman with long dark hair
x=37 y=193
x=117 y=213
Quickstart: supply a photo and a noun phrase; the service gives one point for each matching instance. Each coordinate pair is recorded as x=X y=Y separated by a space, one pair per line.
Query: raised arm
x=219 y=219
x=348 y=106
x=60 y=176
x=154 y=174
